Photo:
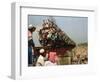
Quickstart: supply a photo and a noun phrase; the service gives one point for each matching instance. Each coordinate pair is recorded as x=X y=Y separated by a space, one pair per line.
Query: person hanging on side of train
x=31 y=44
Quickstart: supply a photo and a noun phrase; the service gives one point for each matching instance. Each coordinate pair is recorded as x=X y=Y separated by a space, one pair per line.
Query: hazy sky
x=75 y=27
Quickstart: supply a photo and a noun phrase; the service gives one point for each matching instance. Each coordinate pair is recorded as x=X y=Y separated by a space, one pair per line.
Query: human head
x=42 y=51
x=31 y=28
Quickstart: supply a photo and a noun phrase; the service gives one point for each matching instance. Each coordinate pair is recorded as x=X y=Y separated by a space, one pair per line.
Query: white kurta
x=40 y=61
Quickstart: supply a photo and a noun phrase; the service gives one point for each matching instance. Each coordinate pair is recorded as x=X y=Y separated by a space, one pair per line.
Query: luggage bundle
x=51 y=35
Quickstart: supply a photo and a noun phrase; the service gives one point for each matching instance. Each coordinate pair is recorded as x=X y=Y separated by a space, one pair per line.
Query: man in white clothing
x=40 y=60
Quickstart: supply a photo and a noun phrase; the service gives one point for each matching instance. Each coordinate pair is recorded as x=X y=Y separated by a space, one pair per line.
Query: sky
x=75 y=27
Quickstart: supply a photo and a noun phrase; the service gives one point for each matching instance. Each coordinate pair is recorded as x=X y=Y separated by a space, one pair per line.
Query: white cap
x=30 y=26
x=42 y=50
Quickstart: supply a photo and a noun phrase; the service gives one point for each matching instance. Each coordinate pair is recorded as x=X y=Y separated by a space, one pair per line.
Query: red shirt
x=52 y=56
